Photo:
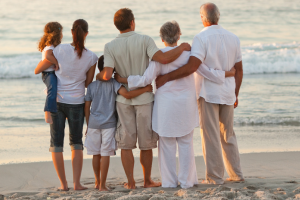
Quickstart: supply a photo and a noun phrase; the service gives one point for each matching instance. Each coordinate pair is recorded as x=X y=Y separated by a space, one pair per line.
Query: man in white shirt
x=218 y=49
x=129 y=54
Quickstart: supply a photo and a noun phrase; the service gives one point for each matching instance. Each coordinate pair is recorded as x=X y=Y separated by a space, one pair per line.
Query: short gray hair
x=170 y=32
x=210 y=12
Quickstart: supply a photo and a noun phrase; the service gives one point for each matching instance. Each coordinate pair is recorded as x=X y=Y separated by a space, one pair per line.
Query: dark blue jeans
x=75 y=115
x=50 y=80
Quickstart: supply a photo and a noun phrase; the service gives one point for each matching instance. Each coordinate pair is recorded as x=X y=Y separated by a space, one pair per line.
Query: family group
x=194 y=86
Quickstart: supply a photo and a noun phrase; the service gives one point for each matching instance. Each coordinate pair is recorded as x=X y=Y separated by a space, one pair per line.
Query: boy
x=102 y=121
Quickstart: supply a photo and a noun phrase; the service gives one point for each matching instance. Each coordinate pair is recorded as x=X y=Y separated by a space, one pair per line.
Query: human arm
x=105 y=74
x=87 y=111
x=90 y=75
x=238 y=80
x=42 y=66
x=136 y=81
x=134 y=93
x=214 y=75
x=51 y=58
x=181 y=72
x=170 y=56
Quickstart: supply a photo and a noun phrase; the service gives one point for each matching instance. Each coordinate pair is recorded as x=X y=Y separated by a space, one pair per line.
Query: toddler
x=51 y=38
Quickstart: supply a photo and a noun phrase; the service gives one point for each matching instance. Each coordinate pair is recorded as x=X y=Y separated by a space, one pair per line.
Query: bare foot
x=206 y=182
x=96 y=186
x=63 y=187
x=152 y=184
x=79 y=187
x=127 y=186
x=48 y=118
x=237 y=180
x=104 y=188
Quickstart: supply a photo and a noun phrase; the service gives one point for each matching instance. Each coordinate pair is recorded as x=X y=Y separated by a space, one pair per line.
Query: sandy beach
x=267 y=176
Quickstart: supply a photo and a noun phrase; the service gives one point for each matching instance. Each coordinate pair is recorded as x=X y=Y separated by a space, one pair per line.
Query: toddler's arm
x=42 y=66
x=134 y=93
x=51 y=58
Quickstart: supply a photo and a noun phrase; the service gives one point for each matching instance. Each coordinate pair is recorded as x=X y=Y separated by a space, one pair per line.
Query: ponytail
x=80 y=28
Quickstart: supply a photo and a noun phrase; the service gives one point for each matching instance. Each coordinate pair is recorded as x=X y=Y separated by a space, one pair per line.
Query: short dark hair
x=101 y=63
x=123 y=18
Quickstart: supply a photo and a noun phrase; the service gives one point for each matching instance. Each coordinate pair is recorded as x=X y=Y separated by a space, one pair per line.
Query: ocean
x=267 y=119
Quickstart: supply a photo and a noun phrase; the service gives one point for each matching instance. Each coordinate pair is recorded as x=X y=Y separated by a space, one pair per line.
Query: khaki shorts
x=135 y=124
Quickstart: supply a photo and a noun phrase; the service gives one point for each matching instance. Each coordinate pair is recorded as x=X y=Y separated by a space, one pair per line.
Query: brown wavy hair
x=80 y=28
x=52 y=35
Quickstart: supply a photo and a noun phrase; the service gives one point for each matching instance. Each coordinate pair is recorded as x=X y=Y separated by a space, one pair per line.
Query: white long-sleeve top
x=175 y=112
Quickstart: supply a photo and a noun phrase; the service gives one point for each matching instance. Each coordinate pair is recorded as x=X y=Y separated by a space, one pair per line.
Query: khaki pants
x=218 y=138
x=135 y=124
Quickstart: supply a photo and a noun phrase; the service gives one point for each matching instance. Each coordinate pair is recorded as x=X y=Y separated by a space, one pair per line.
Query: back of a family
x=195 y=85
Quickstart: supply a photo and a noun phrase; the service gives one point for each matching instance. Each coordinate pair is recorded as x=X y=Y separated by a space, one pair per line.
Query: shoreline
x=267 y=176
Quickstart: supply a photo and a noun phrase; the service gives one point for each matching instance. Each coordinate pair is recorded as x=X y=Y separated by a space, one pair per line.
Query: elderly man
x=129 y=54
x=218 y=49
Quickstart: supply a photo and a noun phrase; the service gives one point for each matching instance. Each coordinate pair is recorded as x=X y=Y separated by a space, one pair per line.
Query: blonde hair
x=52 y=35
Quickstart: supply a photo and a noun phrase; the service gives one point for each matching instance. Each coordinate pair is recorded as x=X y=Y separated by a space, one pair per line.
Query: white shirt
x=218 y=49
x=51 y=68
x=72 y=71
x=175 y=112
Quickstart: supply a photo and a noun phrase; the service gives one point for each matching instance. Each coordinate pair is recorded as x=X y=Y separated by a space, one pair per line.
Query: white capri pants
x=187 y=174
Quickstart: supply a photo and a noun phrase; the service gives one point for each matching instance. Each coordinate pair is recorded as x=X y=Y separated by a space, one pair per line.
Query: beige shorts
x=135 y=124
x=101 y=141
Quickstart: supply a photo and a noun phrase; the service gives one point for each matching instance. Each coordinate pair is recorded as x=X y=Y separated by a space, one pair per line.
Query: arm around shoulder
x=105 y=74
x=170 y=56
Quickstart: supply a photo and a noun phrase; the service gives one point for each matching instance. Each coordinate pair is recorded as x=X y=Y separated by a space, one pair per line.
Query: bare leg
x=146 y=158
x=104 y=170
x=96 y=167
x=128 y=164
x=58 y=161
x=77 y=161
x=48 y=118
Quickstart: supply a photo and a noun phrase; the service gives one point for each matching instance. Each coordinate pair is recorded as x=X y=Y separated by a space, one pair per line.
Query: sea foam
x=257 y=59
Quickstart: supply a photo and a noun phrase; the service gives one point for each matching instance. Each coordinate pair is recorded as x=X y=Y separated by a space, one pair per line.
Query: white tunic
x=175 y=112
x=218 y=49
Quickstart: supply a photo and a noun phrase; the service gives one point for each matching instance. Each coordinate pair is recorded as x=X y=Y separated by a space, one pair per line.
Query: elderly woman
x=175 y=111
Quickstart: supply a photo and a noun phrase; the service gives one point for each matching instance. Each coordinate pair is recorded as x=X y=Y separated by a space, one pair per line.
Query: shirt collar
x=212 y=27
x=130 y=33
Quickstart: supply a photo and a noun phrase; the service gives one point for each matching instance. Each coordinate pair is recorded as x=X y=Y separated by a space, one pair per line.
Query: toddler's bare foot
x=97 y=186
x=79 y=187
x=48 y=118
